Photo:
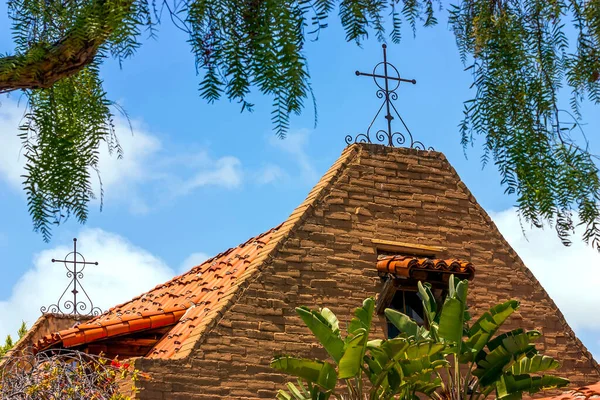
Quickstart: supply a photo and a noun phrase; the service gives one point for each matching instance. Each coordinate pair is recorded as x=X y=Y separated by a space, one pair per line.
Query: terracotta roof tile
x=410 y=267
x=182 y=302
x=96 y=330
x=582 y=393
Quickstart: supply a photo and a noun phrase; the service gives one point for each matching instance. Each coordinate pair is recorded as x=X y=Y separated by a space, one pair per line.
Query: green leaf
x=516 y=384
x=537 y=363
x=325 y=327
x=487 y=325
x=403 y=322
x=429 y=302
x=504 y=349
x=314 y=371
x=362 y=317
x=451 y=326
x=452 y=321
x=395 y=348
x=354 y=350
x=427 y=386
x=423 y=349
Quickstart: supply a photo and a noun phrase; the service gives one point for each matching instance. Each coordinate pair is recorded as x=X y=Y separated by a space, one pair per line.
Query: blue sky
x=199 y=178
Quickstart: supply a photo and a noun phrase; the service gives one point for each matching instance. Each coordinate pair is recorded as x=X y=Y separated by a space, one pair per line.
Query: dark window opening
x=409 y=303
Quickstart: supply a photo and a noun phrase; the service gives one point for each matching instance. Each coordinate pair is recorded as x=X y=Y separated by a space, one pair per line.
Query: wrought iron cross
x=388 y=81
x=79 y=307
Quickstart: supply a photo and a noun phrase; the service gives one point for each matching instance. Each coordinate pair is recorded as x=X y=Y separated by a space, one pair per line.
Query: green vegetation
x=520 y=53
x=446 y=358
x=9 y=344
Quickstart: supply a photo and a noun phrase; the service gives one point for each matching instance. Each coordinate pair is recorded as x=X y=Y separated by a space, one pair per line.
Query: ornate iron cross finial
x=387 y=78
x=75 y=306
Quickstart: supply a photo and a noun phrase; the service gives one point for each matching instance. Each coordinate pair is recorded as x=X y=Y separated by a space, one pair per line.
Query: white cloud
x=225 y=172
x=294 y=145
x=144 y=165
x=192 y=261
x=11 y=159
x=121 y=178
x=570 y=275
x=270 y=173
x=124 y=271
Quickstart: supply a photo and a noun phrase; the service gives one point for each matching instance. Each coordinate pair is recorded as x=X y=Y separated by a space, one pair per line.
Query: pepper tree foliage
x=519 y=52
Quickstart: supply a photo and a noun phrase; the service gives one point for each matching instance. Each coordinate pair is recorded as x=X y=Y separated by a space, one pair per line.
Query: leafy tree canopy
x=9 y=343
x=520 y=53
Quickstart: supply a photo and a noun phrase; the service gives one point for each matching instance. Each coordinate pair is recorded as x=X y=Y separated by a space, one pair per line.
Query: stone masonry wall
x=328 y=259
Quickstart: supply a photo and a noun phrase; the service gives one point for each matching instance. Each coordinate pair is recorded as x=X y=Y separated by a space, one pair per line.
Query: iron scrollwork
x=74 y=306
x=387 y=92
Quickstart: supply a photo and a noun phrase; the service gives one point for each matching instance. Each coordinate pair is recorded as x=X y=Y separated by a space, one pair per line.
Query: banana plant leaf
x=427 y=386
x=429 y=302
x=362 y=317
x=354 y=351
x=300 y=392
x=512 y=384
x=421 y=367
x=325 y=326
x=451 y=322
x=395 y=348
x=505 y=348
x=452 y=316
x=487 y=325
x=514 y=335
x=313 y=371
x=537 y=363
x=423 y=349
x=403 y=322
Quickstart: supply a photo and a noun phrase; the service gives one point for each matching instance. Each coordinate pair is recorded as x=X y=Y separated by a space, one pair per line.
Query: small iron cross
x=79 y=307
x=388 y=82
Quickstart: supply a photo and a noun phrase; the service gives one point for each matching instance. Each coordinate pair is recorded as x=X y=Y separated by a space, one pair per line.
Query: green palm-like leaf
x=362 y=317
x=537 y=363
x=503 y=350
x=423 y=349
x=429 y=302
x=487 y=325
x=324 y=325
x=354 y=351
x=452 y=316
x=403 y=322
x=300 y=392
x=452 y=321
x=314 y=371
x=511 y=385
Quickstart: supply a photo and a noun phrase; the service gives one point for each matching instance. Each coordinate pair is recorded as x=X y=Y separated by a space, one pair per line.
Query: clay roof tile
x=407 y=266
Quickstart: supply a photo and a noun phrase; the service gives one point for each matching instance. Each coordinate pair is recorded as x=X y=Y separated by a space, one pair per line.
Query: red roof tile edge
x=89 y=332
x=406 y=266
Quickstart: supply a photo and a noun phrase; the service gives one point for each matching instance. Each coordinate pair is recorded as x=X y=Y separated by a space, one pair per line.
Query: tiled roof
x=97 y=330
x=412 y=267
x=582 y=393
x=182 y=302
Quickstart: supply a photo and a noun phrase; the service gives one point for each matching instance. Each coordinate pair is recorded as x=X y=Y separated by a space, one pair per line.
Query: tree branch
x=64 y=59
x=45 y=64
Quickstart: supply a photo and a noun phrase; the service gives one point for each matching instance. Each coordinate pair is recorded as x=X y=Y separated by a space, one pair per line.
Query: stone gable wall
x=328 y=260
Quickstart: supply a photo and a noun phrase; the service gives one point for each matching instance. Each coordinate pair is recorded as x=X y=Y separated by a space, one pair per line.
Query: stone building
x=211 y=332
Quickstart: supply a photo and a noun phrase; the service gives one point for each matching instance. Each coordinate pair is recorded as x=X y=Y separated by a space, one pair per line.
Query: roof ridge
x=317 y=193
